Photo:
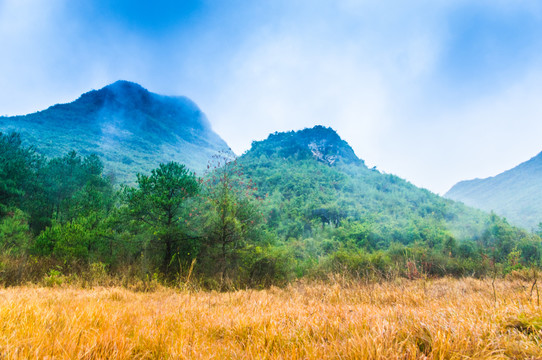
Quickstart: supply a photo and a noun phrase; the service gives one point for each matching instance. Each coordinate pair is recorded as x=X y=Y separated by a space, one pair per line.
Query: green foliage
x=54 y=278
x=18 y=165
x=75 y=187
x=270 y=265
x=296 y=205
x=231 y=218
x=79 y=240
x=14 y=233
x=159 y=201
x=358 y=263
x=356 y=234
x=313 y=185
x=502 y=239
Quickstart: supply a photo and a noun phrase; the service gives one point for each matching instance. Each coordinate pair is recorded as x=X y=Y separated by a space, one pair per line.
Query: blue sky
x=433 y=91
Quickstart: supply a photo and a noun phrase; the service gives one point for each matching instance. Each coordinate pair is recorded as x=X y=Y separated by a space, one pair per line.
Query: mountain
x=313 y=179
x=515 y=194
x=130 y=128
x=320 y=143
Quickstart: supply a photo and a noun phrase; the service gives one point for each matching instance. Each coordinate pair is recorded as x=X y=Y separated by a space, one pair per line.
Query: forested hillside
x=314 y=177
x=515 y=194
x=129 y=128
x=299 y=204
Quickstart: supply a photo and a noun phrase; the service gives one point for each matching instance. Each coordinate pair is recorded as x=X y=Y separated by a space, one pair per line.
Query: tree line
x=65 y=216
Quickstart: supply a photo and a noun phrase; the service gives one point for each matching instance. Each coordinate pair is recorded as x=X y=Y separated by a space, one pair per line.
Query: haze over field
x=435 y=92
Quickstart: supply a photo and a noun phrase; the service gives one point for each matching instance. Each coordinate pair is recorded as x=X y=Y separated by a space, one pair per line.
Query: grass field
x=433 y=319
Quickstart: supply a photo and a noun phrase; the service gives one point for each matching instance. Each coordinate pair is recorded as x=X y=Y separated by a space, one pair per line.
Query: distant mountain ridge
x=130 y=128
x=515 y=194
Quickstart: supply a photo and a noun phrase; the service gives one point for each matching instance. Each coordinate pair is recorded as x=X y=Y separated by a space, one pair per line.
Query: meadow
x=338 y=319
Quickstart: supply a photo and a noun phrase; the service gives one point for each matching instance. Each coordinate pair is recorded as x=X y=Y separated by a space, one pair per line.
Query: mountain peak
x=125 y=84
x=126 y=88
x=132 y=129
x=319 y=142
x=138 y=106
x=121 y=92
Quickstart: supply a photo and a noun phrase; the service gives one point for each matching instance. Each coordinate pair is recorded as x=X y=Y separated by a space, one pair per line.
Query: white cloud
x=486 y=136
x=372 y=70
x=25 y=28
x=283 y=84
x=53 y=54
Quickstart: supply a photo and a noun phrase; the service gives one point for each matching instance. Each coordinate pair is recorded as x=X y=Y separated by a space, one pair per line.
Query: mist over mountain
x=515 y=194
x=130 y=128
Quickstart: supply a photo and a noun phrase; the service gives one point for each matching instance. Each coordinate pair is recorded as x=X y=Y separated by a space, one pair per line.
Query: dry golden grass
x=435 y=319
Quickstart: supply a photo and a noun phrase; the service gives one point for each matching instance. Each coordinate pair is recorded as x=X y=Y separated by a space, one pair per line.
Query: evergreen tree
x=158 y=201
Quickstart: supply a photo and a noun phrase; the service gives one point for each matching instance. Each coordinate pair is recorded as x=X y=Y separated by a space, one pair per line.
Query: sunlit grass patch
x=422 y=319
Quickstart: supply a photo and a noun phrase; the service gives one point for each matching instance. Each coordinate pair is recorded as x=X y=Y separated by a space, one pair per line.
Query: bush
x=358 y=264
x=54 y=278
x=271 y=266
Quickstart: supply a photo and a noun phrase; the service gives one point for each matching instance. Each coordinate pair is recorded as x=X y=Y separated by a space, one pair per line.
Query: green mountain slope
x=313 y=180
x=130 y=128
x=515 y=194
